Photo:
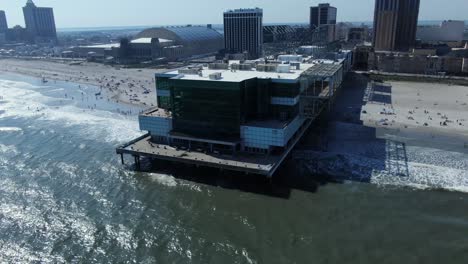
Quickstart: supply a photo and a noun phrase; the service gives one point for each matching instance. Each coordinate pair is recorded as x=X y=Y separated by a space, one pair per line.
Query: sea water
x=64 y=197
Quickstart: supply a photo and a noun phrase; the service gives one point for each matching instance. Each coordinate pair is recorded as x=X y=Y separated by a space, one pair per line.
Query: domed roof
x=183 y=34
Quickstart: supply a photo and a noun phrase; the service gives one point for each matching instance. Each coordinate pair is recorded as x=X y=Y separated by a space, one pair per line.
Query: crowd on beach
x=419 y=115
x=132 y=86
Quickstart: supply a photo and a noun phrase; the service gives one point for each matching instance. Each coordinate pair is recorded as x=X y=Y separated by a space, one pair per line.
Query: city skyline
x=154 y=13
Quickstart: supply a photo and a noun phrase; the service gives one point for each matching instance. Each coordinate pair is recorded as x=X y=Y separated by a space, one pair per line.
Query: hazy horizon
x=125 y=13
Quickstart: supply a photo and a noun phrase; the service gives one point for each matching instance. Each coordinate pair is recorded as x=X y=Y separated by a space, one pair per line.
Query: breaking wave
x=22 y=100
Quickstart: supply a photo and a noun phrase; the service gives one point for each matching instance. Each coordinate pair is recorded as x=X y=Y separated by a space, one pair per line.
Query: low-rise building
x=361 y=56
x=404 y=62
x=448 y=31
x=311 y=50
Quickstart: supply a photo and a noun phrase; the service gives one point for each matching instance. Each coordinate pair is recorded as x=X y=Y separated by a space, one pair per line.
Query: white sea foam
x=10 y=129
x=122 y=235
x=163 y=179
x=4 y=149
x=386 y=161
x=418 y=175
x=23 y=101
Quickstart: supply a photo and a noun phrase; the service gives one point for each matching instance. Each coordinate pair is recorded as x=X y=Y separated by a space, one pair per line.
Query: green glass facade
x=163 y=86
x=284 y=89
x=206 y=109
x=217 y=109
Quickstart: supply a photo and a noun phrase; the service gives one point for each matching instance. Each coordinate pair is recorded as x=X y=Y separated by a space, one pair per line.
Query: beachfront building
x=243 y=32
x=395 y=24
x=242 y=116
x=40 y=23
x=416 y=63
x=251 y=107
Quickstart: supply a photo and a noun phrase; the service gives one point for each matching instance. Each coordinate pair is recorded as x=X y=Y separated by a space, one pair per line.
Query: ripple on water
x=39 y=223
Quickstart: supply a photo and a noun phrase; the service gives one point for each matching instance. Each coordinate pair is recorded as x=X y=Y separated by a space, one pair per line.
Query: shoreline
x=127 y=86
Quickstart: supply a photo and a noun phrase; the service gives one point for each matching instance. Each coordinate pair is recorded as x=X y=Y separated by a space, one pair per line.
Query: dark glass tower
x=395 y=24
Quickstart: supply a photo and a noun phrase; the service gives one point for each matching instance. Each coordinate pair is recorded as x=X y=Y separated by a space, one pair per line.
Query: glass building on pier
x=253 y=106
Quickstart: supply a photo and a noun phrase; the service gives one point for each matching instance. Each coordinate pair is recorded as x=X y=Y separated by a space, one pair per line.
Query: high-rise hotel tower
x=243 y=31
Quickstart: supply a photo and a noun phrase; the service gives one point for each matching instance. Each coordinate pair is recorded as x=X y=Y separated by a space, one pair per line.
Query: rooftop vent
x=242 y=66
x=296 y=65
x=218 y=66
x=267 y=67
x=193 y=71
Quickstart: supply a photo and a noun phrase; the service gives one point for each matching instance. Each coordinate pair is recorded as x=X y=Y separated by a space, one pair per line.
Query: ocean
x=65 y=197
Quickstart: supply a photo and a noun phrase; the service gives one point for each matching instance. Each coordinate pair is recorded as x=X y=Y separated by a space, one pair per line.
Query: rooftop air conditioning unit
x=215 y=76
x=296 y=65
x=284 y=68
x=218 y=66
x=261 y=67
x=245 y=67
x=271 y=68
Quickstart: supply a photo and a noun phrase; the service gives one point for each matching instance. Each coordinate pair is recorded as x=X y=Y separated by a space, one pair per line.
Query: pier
x=266 y=165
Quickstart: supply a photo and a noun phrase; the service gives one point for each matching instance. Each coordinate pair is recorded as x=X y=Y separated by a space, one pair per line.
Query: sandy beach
x=427 y=107
x=407 y=133
x=134 y=86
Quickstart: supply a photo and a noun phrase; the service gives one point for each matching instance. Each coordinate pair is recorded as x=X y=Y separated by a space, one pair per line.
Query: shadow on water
x=230 y=180
x=324 y=135
x=342 y=136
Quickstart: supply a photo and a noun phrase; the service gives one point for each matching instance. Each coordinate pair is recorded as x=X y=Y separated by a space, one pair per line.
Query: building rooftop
x=103 y=46
x=285 y=72
x=245 y=10
x=230 y=75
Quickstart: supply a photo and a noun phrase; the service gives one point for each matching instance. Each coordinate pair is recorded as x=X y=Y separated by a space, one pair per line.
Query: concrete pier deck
x=242 y=162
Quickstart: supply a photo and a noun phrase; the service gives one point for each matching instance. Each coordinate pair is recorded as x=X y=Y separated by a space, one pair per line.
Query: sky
x=107 y=13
